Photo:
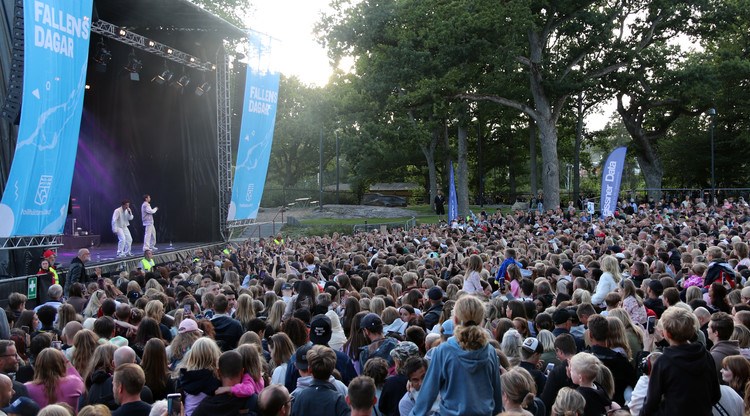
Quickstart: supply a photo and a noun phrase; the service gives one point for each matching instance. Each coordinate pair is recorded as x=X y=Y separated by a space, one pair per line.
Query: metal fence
x=279 y=197
x=367 y=226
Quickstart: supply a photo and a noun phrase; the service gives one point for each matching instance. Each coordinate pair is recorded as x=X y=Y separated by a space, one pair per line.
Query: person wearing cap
x=463 y=369
x=49 y=257
x=22 y=406
x=320 y=334
x=318 y=392
x=394 y=387
x=531 y=353
x=432 y=314
x=380 y=346
x=652 y=301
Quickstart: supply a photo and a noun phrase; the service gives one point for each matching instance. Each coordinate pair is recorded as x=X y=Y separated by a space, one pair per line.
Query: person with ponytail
x=518 y=391
x=464 y=370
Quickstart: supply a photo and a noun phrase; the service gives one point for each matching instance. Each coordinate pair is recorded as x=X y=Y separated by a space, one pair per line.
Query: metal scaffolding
x=12 y=243
x=145 y=44
x=224 y=138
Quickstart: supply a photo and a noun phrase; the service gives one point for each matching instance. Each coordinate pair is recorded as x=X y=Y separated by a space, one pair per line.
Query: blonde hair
x=251 y=361
x=469 y=314
x=473 y=265
x=95 y=302
x=55 y=410
x=612 y=266
x=275 y=314
x=203 y=355
x=95 y=410
x=587 y=365
x=155 y=310
x=616 y=337
x=245 y=311
x=518 y=386
x=680 y=323
x=568 y=403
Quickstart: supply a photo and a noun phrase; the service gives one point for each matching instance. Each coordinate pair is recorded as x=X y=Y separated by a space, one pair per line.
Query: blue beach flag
x=452 y=201
x=611 y=178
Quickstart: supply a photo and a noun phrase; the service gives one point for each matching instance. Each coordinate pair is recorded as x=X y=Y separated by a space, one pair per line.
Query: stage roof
x=155 y=15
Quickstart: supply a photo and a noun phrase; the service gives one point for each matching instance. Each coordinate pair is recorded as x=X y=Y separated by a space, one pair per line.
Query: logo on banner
x=249 y=192
x=42 y=191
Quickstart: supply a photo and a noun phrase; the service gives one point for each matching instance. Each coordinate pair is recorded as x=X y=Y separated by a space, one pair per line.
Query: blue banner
x=611 y=178
x=256 y=132
x=452 y=200
x=56 y=48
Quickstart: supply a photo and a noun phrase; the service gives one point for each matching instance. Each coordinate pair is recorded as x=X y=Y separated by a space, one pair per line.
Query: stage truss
x=12 y=243
x=224 y=139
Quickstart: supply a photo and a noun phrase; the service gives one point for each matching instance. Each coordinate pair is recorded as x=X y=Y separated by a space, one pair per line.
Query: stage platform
x=105 y=256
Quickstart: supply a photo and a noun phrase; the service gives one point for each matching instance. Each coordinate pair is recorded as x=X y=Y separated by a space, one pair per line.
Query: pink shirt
x=69 y=389
x=248 y=387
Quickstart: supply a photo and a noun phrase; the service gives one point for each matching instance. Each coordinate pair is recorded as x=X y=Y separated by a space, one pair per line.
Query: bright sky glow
x=292 y=22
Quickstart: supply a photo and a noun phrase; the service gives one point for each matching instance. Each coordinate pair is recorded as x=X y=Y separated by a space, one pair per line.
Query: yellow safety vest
x=147 y=264
x=55 y=278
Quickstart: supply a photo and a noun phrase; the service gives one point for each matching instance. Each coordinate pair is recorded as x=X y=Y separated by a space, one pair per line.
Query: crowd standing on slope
x=528 y=313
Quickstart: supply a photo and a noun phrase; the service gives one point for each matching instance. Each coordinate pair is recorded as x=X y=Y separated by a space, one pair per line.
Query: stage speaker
x=12 y=106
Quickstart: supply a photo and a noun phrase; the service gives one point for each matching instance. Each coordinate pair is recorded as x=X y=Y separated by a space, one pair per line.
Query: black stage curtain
x=141 y=137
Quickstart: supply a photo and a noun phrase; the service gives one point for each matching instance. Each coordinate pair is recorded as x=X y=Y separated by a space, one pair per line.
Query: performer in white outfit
x=147 y=217
x=120 y=221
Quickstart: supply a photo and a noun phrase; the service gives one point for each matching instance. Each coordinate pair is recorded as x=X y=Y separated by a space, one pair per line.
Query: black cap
x=320 y=330
x=371 y=321
x=561 y=316
x=301 y=356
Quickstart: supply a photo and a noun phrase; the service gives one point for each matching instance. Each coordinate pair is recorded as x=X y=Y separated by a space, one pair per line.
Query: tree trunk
x=532 y=156
x=511 y=170
x=577 y=153
x=550 y=164
x=653 y=172
x=462 y=174
x=429 y=155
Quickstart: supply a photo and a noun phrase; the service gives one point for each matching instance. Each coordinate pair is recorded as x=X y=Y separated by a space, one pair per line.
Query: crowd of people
x=528 y=313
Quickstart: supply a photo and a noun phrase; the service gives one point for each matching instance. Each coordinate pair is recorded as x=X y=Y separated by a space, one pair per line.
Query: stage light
x=88 y=87
x=134 y=66
x=213 y=67
x=169 y=51
x=122 y=32
x=192 y=59
x=165 y=76
x=151 y=43
x=102 y=57
x=202 y=89
x=183 y=81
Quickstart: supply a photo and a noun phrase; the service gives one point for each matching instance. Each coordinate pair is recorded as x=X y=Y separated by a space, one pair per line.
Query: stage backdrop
x=35 y=200
x=256 y=133
x=142 y=137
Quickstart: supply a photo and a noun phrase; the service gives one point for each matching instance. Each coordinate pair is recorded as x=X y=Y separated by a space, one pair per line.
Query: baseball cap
x=23 y=406
x=435 y=293
x=404 y=350
x=371 y=321
x=448 y=327
x=301 y=356
x=286 y=286
x=320 y=330
x=561 y=316
x=532 y=345
x=47 y=254
x=567 y=266
x=188 y=325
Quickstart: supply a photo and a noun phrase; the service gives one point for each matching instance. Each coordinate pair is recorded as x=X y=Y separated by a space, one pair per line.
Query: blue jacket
x=468 y=382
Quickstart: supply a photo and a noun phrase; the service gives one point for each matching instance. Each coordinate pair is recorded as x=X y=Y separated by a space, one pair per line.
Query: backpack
x=380 y=348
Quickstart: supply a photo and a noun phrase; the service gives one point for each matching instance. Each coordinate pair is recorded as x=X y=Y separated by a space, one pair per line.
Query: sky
x=291 y=22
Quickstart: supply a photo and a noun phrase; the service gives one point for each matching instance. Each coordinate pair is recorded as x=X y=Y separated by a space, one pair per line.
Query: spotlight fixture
x=165 y=77
x=134 y=66
x=170 y=51
x=183 y=81
x=202 y=89
x=122 y=32
x=88 y=87
x=102 y=57
x=151 y=43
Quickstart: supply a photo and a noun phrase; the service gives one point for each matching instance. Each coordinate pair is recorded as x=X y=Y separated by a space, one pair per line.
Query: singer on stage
x=147 y=217
x=120 y=221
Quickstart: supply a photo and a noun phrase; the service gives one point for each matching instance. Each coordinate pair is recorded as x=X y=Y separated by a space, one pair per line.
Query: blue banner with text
x=256 y=132
x=611 y=178
x=56 y=48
